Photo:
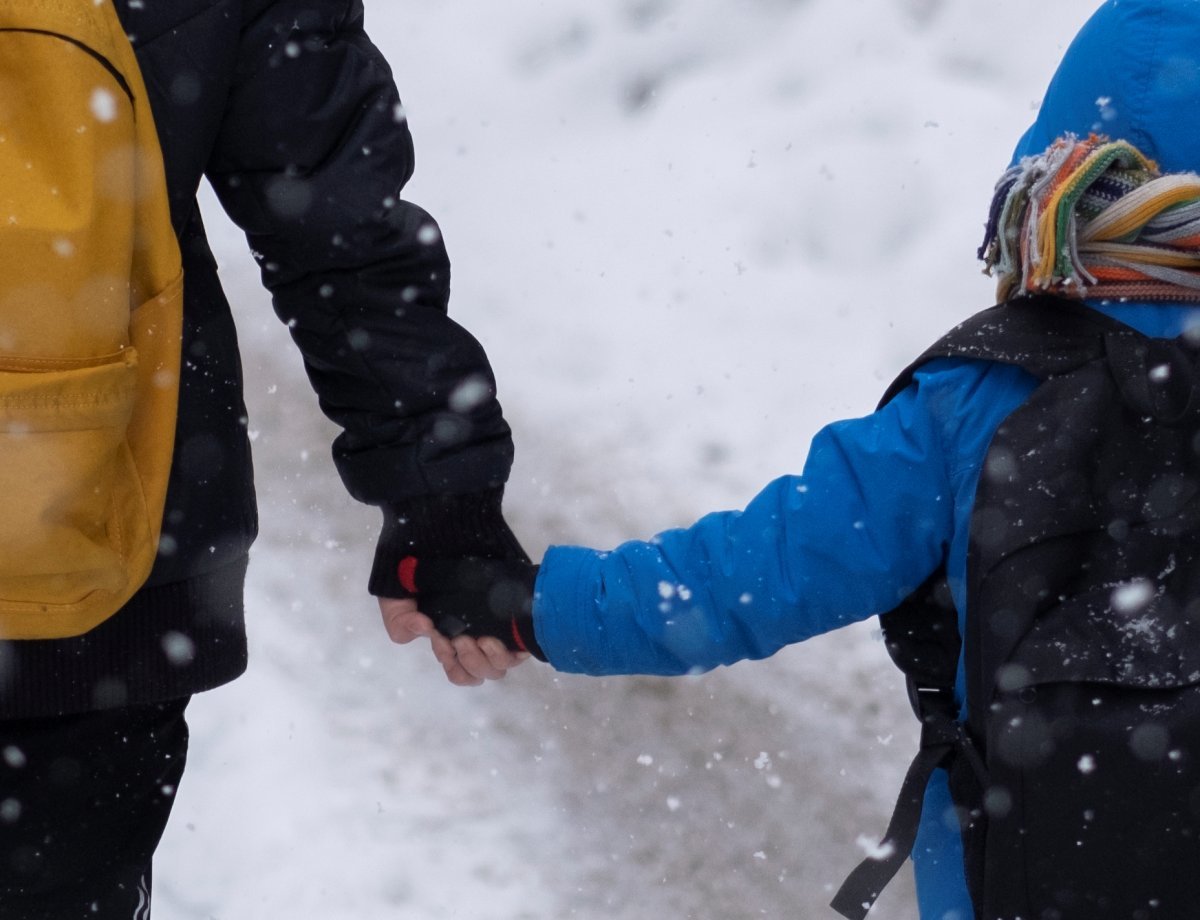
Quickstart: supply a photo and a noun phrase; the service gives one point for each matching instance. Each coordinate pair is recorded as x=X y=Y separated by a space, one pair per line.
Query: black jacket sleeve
x=310 y=162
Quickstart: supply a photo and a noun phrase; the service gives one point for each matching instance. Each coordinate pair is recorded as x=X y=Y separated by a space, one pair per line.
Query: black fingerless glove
x=469 y=525
x=475 y=577
x=476 y=597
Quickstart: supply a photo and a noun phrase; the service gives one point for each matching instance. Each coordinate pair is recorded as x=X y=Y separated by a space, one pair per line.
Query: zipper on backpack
x=87 y=49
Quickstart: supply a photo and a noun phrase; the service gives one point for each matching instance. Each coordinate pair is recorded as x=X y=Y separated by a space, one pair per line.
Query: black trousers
x=84 y=800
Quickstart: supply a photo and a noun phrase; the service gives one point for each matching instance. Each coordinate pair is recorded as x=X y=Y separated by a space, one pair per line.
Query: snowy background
x=689 y=233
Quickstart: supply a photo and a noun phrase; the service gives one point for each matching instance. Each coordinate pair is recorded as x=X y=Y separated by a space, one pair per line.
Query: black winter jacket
x=291 y=113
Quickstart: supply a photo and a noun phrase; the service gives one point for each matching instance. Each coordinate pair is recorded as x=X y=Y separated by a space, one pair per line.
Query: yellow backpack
x=91 y=293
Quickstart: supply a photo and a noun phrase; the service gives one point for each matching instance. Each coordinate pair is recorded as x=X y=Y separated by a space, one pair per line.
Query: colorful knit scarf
x=1094 y=219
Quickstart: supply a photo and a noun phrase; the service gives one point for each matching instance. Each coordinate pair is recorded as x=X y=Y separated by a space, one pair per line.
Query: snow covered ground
x=689 y=233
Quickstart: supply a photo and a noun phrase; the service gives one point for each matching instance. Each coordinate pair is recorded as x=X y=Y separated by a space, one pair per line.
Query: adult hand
x=403 y=621
x=467 y=661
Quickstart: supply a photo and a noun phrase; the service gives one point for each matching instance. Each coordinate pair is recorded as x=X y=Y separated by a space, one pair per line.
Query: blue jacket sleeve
x=868 y=520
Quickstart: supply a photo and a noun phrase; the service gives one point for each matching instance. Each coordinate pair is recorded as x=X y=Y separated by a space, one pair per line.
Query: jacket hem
x=170 y=641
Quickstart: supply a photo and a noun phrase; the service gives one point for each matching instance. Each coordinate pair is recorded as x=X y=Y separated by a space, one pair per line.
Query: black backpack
x=1075 y=765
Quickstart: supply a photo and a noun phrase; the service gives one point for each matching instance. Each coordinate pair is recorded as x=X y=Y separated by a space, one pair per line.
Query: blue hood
x=1132 y=73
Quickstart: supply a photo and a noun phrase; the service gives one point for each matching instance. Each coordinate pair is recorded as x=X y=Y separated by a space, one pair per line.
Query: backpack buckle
x=937 y=709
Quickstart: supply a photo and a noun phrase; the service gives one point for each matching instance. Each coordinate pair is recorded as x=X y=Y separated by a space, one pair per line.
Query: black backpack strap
x=944 y=742
x=921 y=636
x=1043 y=335
x=923 y=639
x=864 y=885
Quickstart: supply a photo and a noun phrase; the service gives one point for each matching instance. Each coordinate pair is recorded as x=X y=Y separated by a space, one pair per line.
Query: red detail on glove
x=406 y=571
x=521 y=646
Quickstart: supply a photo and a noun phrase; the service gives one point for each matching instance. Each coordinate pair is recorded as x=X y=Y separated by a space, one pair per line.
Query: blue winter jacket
x=882 y=500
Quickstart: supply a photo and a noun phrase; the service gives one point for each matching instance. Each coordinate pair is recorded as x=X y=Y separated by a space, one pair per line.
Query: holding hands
x=449 y=568
x=476 y=613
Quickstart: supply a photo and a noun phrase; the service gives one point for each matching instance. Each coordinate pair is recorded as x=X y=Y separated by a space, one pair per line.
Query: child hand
x=476 y=597
x=467 y=661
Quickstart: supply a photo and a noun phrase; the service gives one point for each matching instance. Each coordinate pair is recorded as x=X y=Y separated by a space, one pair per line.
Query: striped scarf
x=1094 y=219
